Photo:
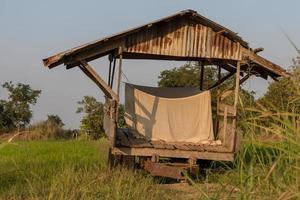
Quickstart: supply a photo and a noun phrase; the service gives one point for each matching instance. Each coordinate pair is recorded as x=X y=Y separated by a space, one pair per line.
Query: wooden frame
x=111 y=113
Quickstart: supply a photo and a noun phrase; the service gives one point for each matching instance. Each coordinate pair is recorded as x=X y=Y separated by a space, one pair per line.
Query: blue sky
x=34 y=29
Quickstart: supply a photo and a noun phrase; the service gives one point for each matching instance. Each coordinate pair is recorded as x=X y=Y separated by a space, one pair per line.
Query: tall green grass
x=268 y=164
x=70 y=170
x=266 y=167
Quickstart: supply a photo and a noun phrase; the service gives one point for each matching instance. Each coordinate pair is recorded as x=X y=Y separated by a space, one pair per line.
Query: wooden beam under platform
x=173 y=153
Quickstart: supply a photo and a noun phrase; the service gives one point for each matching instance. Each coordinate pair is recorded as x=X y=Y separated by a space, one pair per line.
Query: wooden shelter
x=184 y=36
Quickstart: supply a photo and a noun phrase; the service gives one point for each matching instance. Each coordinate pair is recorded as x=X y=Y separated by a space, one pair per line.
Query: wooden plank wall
x=184 y=39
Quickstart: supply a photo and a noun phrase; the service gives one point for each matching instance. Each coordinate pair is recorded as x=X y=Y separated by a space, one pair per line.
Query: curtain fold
x=169 y=114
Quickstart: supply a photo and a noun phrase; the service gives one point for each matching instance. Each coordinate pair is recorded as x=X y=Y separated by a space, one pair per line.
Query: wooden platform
x=128 y=139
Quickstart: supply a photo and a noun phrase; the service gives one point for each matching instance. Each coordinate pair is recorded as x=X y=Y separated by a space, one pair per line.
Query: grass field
x=77 y=170
x=70 y=170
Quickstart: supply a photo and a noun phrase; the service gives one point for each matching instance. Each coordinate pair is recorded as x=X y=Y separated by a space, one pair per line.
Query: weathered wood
x=155 y=158
x=181 y=146
x=119 y=71
x=219 y=82
x=109 y=122
x=109 y=128
x=205 y=155
x=245 y=78
x=237 y=85
x=229 y=109
x=142 y=142
x=94 y=52
x=113 y=74
x=225 y=94
x=92 y=74
x=158 y=145
x=236 y=98
x=110 y=57
x=225 y=125
x=271 y=67
x=168 y=145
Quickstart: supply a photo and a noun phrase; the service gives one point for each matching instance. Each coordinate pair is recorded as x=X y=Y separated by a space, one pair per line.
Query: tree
x=121 y=119
x=283 y=95
x=6 y=117
x=16 y=111
x=55 y=119
x=92 y=121
x=188 y=75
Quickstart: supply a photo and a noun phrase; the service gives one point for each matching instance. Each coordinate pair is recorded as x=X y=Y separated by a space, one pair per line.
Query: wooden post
x=119 y=84
x=237 y=86
x=217 y=123
x=236 y=99
x=119 y=72
x=201 y=75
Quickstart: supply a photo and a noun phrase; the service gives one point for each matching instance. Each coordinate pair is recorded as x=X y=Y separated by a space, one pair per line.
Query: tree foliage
x=92 y=120
x=51 y=128
x=188 y=75
x=55 y=120
x=282 y=95
x=16 y=111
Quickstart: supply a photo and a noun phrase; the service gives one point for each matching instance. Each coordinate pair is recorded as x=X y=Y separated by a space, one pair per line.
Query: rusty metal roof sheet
x=58 y=58
x=66 y=56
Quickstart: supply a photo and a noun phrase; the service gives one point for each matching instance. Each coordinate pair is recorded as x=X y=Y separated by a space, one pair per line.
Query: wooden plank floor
x=126 y=138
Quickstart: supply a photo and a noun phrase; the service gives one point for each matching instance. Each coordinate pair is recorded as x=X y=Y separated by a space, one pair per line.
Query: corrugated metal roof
x=58 y=58
x=218 y=47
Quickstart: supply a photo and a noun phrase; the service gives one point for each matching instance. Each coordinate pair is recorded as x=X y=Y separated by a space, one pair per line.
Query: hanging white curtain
x=169 y=114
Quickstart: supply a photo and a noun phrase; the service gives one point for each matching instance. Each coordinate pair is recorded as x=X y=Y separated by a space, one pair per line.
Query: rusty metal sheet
x=183 y=39
x=183 y=36
x=163 y=170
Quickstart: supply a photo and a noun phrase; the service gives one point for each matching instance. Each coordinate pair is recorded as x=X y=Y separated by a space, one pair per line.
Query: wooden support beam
x=113 y=73
x=174 y=153
x=245 y=78
x=222 y=80
x=119 y=81
x=92 y=74
x=266 y=64
x=110 y=58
